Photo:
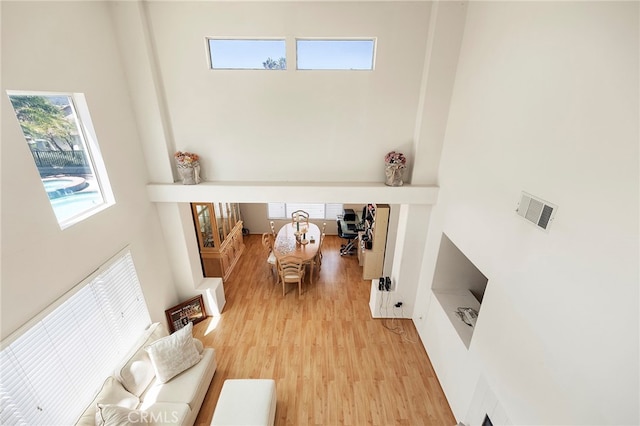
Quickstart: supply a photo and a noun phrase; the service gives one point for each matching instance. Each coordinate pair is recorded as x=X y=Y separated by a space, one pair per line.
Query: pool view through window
x=59 y=135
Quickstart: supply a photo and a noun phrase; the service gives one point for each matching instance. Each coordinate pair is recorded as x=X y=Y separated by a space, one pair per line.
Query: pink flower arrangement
x=396 y=158
x=186 y=159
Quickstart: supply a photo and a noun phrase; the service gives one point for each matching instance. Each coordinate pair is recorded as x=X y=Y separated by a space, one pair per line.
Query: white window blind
x=277 y=210
x=333 y=210
x=315 y=210
x=52 y=371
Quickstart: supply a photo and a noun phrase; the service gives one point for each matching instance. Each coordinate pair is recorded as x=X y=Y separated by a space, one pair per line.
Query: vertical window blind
x=52 y=371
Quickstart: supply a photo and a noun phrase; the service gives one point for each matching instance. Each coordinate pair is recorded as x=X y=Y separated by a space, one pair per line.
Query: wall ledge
x=302 y=192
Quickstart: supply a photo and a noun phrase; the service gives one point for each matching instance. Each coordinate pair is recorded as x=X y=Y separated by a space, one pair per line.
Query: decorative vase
x=393 y=174
x=188 y=175
x=196 y=172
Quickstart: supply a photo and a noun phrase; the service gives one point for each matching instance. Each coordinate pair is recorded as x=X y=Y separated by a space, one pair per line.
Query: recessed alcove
x=457 y=283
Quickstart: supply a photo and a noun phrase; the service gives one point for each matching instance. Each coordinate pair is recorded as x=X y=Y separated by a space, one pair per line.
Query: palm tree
x=39 y=118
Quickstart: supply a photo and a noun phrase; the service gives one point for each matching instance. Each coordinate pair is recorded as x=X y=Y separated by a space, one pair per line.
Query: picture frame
x=192 y=310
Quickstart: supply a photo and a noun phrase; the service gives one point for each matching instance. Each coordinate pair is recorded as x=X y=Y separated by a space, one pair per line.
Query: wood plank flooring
x=333 y=364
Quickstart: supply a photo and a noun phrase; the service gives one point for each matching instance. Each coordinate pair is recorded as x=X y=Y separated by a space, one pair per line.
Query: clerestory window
x=335 y=54
x=247 y=54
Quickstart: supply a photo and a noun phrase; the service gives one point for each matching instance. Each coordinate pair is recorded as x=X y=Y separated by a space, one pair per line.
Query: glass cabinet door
x=225 y=218
x=230 y=216
x=235 y=212
x=220 y=221
x=204 y=226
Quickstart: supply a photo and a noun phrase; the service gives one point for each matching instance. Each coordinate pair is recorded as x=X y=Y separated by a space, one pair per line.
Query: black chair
x=348 y=234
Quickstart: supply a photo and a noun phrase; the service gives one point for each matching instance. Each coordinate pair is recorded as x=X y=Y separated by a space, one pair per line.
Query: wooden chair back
x=300 y=216
x=291 y=270
x=267 y=241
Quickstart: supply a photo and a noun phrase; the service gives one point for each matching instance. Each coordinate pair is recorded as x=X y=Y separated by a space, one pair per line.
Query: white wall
x=291 y=126
x=69 y=47
x=546 y=101
x=326 y=126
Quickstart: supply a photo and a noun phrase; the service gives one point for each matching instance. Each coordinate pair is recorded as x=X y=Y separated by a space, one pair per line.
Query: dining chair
x=291 y=270
x=273 y=229
x=319 y=254
x=267 y=242
x=301 y=217
x=316 y=261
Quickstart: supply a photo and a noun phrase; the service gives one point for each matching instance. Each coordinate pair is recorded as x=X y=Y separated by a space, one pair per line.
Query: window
x=52 y=371
x=244 y=54
x=60 y=137
x=316 y=211
x=316 y=54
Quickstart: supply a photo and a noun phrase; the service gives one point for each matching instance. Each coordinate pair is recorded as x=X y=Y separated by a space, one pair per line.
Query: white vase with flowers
x=188 y=167
x=395 y=163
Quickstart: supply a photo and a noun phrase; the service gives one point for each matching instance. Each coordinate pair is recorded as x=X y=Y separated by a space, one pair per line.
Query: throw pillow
x=173 y=354
x=136 y=372
x=199 y=345
x=114 y=415
x=113 y=392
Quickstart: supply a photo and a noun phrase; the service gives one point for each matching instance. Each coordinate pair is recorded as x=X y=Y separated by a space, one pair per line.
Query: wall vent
x=536 y=210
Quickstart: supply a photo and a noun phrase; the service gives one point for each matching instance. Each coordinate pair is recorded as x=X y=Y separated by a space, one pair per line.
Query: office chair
x=350 y=235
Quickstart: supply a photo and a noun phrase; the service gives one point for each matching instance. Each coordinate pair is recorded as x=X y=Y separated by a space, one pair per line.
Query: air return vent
x=536 y=210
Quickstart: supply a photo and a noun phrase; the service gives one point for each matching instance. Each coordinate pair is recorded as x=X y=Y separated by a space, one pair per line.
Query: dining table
x=287 y=245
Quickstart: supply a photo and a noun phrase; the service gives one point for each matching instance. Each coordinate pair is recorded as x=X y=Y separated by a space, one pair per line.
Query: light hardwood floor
x=333 y=364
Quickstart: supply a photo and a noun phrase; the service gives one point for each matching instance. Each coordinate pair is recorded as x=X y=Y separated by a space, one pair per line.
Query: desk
x=285 y=244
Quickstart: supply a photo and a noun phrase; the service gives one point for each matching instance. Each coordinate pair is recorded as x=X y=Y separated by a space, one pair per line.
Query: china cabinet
x=219 y=230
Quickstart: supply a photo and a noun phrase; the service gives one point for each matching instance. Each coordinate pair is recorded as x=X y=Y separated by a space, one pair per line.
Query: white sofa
x=138 y=396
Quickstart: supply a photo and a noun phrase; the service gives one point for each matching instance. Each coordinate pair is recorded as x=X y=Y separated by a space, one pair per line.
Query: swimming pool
x=63 y=185
x=68 y=206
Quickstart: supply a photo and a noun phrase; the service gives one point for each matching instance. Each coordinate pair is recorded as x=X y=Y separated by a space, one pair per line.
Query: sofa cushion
x=186 y=386
x=168 y=413
x=114 y=415
x=112 y=392
x=137 y=372
x=173 y=354
x=156 y=415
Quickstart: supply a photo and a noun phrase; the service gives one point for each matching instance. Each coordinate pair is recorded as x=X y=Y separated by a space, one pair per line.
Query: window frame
x=89 y=140
x=373 y=40
x=208 y=41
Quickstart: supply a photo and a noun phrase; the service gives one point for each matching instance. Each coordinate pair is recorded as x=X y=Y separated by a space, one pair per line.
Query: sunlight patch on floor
x=213 y=323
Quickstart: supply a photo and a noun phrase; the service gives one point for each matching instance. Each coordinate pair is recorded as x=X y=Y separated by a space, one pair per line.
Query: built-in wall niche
x=459 y=288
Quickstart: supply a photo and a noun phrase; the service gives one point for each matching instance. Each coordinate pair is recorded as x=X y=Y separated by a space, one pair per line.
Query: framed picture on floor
x=190 y=311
